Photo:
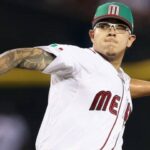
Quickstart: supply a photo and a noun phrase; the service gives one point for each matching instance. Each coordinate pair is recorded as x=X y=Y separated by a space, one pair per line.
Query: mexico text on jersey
x=89 y=102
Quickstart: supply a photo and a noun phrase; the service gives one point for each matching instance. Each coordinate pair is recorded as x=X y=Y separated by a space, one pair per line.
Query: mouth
x=111 y=40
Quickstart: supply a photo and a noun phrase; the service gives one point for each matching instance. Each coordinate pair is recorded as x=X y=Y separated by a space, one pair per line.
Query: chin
x=110 y=56
x=111 y=53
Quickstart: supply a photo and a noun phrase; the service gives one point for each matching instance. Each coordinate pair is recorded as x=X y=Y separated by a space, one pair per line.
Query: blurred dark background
x=26 y=23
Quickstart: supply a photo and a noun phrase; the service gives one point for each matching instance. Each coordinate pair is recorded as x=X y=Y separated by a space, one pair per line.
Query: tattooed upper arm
x=30 y=58
x=38 y=59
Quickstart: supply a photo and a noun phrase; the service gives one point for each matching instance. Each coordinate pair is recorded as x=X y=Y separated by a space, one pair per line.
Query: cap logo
x=113 y=10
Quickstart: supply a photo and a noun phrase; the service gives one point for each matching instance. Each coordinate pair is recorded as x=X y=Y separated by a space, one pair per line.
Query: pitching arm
x=139 y=88
x=28 y=58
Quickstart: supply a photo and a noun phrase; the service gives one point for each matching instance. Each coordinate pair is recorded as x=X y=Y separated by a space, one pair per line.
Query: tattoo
x=30 y=58
x=9 y=60
x=38 y=60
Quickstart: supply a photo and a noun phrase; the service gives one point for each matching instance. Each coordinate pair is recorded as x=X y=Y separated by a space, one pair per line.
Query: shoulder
x=57 y=49
x=67 y=48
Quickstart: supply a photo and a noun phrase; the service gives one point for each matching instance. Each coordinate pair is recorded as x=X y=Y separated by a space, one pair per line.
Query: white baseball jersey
x=89 y=102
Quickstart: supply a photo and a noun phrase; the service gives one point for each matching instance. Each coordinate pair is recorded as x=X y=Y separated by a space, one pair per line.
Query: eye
x=103 y=26
x=121 y=27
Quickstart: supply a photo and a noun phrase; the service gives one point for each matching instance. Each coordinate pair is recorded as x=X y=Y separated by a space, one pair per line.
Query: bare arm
x=139 y=88
x=29 y=58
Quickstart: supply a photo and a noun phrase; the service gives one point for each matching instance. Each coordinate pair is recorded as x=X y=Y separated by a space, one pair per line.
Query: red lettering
x=127 y=112
x=101 y=100
x=114 y=104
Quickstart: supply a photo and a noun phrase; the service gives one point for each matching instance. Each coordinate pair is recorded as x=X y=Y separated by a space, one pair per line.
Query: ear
x=132 y=38
x=91 y=35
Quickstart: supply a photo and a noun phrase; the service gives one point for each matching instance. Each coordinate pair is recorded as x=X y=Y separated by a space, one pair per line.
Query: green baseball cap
x=115 y=10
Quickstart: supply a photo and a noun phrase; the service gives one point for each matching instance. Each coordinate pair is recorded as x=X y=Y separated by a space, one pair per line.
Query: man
x=90 y=95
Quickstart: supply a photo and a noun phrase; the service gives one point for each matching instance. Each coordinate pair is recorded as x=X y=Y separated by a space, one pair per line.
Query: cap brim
x=97 y=19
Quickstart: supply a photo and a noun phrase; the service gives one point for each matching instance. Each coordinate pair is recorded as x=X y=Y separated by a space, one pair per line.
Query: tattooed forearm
x=30 y=58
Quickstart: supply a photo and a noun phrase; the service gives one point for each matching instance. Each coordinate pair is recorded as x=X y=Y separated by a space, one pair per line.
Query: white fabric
x=78 y=75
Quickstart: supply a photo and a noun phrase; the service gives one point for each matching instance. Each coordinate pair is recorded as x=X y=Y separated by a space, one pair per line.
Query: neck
x=116 y=64
x=115 y=60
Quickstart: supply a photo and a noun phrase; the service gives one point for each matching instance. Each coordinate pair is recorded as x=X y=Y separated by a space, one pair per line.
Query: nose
x=112 y=31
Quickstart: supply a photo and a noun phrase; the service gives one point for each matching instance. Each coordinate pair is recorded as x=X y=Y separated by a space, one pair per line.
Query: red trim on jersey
x=114 y=122
x=116 y=142
x=96 y=52
x=92 y=50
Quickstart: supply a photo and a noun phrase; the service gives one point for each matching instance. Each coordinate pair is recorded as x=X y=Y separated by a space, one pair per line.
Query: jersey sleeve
x=64 y=63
